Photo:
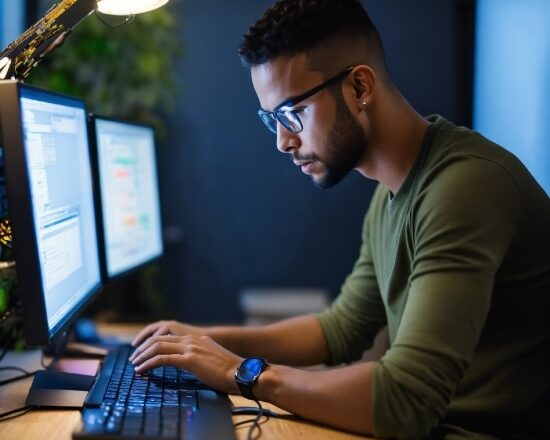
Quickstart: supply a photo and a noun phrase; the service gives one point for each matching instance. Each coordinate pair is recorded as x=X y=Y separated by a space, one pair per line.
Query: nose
x=286 y=140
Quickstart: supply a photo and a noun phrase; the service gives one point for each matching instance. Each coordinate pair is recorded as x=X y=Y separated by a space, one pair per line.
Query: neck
x=395 y=136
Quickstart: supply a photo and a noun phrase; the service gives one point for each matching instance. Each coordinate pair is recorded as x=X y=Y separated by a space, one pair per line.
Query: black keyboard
x=169 y=403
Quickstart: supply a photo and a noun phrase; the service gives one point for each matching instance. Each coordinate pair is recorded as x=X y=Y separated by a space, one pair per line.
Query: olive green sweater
x=457 y=265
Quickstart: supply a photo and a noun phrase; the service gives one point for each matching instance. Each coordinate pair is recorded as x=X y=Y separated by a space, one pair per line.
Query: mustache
x=305 y=158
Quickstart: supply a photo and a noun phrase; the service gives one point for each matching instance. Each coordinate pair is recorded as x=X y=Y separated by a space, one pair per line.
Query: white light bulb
x=128 y=7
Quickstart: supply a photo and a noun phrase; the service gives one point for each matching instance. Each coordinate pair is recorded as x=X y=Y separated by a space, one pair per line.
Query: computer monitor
x=125 y=162
x=51 y=207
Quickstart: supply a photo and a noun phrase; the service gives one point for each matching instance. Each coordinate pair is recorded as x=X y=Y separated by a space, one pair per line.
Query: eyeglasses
x=289 y=118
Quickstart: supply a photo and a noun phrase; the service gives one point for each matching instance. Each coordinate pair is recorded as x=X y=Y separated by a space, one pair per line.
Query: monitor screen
x=128 y=187
x=51 y=206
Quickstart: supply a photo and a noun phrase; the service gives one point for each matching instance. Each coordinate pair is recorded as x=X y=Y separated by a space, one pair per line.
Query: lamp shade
x=128 y=7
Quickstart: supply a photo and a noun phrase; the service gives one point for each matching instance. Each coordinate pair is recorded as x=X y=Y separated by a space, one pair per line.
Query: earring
x=364 y=102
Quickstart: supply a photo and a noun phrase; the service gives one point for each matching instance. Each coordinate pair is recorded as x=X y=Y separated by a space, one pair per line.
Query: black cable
x=252 y=411
x=16 y=378
x=55 y=358
x=21 y=370
x=260 y=412
x=8 y=368
x=14 y=412
x=43 y=363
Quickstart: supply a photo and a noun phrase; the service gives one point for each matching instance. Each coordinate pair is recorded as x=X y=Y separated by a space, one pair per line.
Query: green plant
x=120 y=71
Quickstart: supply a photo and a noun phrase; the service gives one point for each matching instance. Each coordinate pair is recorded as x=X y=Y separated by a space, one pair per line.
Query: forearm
x=293 y=341
x=338 y=397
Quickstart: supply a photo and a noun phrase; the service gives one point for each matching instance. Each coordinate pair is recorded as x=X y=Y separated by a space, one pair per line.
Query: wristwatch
x=247 y=374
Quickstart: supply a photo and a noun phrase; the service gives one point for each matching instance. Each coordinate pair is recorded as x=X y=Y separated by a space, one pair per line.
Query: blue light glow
x=512 y=80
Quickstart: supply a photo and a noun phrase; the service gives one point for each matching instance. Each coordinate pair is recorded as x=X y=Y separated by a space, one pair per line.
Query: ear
x=363 y=80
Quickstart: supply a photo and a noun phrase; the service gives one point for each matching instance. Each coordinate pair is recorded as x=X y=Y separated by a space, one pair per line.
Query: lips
x=305 y=166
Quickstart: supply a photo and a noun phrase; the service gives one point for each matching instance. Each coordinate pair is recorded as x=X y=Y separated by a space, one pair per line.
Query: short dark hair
x=290 y=27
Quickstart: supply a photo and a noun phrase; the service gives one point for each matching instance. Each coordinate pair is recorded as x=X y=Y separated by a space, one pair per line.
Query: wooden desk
x=60 y=424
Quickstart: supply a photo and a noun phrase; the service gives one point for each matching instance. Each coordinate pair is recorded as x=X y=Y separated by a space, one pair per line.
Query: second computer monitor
x=125 y=155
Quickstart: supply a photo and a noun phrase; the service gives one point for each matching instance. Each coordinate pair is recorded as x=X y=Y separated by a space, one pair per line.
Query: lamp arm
x=22 y=55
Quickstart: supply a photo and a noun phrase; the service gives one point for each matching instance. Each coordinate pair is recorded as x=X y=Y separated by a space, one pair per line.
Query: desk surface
x=60 y=424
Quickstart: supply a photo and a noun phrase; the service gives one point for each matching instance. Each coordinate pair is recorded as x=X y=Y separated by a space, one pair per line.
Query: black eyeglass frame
x=270 y=118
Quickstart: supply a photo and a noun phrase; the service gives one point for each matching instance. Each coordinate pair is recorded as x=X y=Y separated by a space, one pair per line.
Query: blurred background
x=238 y=216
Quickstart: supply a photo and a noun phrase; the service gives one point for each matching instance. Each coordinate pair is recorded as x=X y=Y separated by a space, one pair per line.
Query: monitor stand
x=56 y=389
x=66 y=382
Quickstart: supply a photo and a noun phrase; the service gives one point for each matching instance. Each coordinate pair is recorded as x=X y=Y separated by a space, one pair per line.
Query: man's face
x=332 y=141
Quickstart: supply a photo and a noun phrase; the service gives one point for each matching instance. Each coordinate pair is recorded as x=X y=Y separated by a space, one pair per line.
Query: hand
x=207 y=360
x=165 y=328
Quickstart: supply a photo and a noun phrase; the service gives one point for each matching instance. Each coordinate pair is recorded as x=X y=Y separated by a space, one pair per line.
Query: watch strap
x=246 y=390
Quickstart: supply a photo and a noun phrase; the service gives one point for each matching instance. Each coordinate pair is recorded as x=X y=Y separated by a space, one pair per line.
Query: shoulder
x=470 y=150
x=465 y=167
x=468 y=183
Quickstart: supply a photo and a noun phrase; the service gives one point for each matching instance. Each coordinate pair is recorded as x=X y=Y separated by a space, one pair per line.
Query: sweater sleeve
x=357 y=314
x=463 y=223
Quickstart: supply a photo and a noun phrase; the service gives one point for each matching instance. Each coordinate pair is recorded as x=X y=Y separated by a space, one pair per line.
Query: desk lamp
x=47 y=34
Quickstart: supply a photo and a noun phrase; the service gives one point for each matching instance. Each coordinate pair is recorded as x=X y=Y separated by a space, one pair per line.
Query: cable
x=260 y=412
x=43 y=363
x=16 y=378
x=21 y=370
x=55 y=358
x=252 y=411
x=8 y=368
x=11 y=414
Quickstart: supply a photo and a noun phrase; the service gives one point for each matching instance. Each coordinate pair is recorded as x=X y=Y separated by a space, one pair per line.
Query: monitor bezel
x=94 y=153
x=35 y=319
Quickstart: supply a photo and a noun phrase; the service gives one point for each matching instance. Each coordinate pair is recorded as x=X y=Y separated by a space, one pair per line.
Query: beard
x=345 y=146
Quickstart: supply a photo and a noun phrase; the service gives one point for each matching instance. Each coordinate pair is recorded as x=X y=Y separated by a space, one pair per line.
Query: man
x=455 y=257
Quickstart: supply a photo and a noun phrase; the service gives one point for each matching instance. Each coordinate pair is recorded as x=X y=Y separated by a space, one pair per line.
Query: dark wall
x=238 y=212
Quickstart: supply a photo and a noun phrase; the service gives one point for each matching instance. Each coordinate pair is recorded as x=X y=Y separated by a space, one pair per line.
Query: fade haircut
x=332 y=33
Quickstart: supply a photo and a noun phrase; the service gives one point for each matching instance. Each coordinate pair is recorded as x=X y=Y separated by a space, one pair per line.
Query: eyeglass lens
x=288 y=119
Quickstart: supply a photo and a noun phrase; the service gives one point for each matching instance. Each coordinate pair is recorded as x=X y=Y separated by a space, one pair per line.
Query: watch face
x=250 y=369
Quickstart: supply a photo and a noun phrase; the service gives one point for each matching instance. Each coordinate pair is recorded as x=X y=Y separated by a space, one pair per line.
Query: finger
x=159 y=329
x=143 y=346
x=146 y=332
x=161 y=345
x=164 y=330
x=150 y=341
x=159 y=361
x=140 y=348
